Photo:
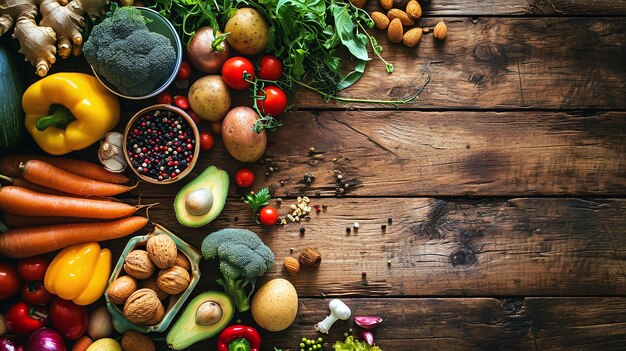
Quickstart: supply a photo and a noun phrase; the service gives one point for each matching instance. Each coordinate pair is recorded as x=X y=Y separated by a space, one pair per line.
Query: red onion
x=45 y=339
x=8 y=344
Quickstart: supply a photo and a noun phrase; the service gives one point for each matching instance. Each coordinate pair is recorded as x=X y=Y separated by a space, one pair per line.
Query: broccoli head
x=125 y=53
x=243 y=257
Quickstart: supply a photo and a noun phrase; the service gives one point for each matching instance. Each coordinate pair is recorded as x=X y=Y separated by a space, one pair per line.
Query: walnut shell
x=162 y=250
x=310 y=258
x=157 y=317
x=183 y=261
x=138 y=265
x=141 y=306
x=173 y=280
x=151 y=283
x=121 y=288
x=136 y=341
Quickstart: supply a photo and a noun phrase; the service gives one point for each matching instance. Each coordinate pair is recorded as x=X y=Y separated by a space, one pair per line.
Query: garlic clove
x=367 y=322
x=110 y=152
x=113 y=165
x=368 y=336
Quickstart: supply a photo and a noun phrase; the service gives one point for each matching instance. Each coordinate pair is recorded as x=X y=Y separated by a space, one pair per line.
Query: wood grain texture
x=408 y=153
x=550 y=63
x=519 y=8
x=521 y=246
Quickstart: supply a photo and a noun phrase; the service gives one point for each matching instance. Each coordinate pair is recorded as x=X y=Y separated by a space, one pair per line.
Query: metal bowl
x=156 y=24
x=189 y=121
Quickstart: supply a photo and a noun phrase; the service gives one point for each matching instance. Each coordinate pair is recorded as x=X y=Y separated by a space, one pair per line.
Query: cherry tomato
x=33 y=268
x=35 y=293
x=244 y=178
x=68 y=318
x=164 y=98
x=9 y=280
x=233 y=71
x=206 y=141
x=270 y=68
x=184 y=72
x=195 y=117
x=181 y=102
x=275 y=101
x=268 y=215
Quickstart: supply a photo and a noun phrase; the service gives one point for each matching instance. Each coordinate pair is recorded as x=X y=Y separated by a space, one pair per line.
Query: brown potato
x=209 y=98
x=240 y=140
x=249 y=33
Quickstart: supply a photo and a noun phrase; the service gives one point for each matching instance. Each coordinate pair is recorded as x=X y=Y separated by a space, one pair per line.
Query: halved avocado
x=216 y=181
x=187 y=332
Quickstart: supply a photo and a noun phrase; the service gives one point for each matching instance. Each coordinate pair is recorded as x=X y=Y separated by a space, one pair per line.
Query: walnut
x=173 y=280
x=162 y=251
x=138 y=265
x=141 y=306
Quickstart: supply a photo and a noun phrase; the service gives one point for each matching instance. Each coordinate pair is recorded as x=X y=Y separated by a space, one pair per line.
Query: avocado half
x=216 y=180
x=186 y=332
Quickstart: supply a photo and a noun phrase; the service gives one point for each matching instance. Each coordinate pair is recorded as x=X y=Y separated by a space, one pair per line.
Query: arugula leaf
x=347 y=32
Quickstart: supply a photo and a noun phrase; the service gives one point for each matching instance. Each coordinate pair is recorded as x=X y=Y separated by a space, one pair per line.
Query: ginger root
x=61 y=23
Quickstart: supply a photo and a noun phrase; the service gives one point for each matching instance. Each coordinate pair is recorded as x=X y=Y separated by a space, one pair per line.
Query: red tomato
x=35 y=293
x=33 y=268
x=181 y=102
x=68 y=318
x=22 y=319
x=9 y=280
x=195 y=117
x=270 y=68
x=164 y=98
x=275 y=101
x=244 y=178
x=233 y=71
x=268 y=215
x=184 y=72
x=206 y=141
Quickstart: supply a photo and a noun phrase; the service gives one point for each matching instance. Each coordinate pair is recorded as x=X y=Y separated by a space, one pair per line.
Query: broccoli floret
x=243 y=257
x=130 y=57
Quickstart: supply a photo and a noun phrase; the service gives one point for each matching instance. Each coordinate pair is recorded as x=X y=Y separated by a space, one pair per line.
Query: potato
x=249 y=33
x=275 y=305
x=240 y=140
x=209 y=98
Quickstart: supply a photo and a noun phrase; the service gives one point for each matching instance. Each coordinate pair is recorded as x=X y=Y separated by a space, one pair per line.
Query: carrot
x=26 y=242
x=82 y=344
x=22 y=201
x=23 y=183
x=19 y=221
x=45 y=174
x=9 y=166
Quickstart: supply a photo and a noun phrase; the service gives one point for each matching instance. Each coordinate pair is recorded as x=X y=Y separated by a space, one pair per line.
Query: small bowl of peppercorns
x=161 y=144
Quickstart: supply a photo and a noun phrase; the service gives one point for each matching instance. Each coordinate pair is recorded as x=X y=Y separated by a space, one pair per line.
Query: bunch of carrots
x=53 y=203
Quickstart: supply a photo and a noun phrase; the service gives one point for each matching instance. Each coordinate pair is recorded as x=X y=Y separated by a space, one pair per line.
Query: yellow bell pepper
x=79 y=273
x=69 y=111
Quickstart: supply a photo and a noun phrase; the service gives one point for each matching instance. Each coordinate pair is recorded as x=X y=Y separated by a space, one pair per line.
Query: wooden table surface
x=505 y=182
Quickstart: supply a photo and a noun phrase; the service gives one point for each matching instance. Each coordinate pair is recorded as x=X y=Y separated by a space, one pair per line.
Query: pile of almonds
x=401 y=24
x=142 y=290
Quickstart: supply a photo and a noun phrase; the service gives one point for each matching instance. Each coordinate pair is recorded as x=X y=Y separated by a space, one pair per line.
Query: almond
x=292 y=265
x=162 y=250
x=120 y=289
x=381 y=21
x=425 y=29
x=440 y=31
x=358 y=3
x=138 y=265
x=386 y=4
x=136 y=341
x=412 y=37
x=141 y=306
x=414 y=10
x=403 y=16
x=173 y=280
x=395 y=31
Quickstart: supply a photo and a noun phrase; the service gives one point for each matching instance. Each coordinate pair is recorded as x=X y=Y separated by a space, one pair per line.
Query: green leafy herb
x=258 y=200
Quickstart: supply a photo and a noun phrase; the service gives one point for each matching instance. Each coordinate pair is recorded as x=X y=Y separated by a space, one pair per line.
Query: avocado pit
x=199 y=201
x=208 y=313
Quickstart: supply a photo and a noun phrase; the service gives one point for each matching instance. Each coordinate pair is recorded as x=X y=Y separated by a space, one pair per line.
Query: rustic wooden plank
x=519 y=8
x=503 y=63
x=522 y=246
x=393 y=153
x=466 y=324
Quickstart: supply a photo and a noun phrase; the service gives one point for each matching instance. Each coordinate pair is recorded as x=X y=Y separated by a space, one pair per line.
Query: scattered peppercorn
x=363 y=274
x=388 y=262
x=356 y=225
x=383 y=227
x=308 y=178
x=348 y=229
x=291 y=250
x=389 y=220
x=311 y=149
x=302 y=230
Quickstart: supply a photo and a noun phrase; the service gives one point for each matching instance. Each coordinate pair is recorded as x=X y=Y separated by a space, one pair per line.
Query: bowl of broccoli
x=135 y=52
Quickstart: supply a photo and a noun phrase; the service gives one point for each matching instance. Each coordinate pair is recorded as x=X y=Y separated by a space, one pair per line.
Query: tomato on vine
x=233 y=72
x=270 y=68
x=274 y=103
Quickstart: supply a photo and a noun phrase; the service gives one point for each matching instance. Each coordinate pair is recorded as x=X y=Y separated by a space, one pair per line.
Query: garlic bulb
x=110 y=153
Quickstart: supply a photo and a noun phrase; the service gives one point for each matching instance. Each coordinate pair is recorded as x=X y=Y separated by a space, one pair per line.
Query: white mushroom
x=338 y=310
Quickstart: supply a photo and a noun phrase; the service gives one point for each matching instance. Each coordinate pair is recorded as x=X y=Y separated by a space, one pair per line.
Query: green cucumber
x=11 y=90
